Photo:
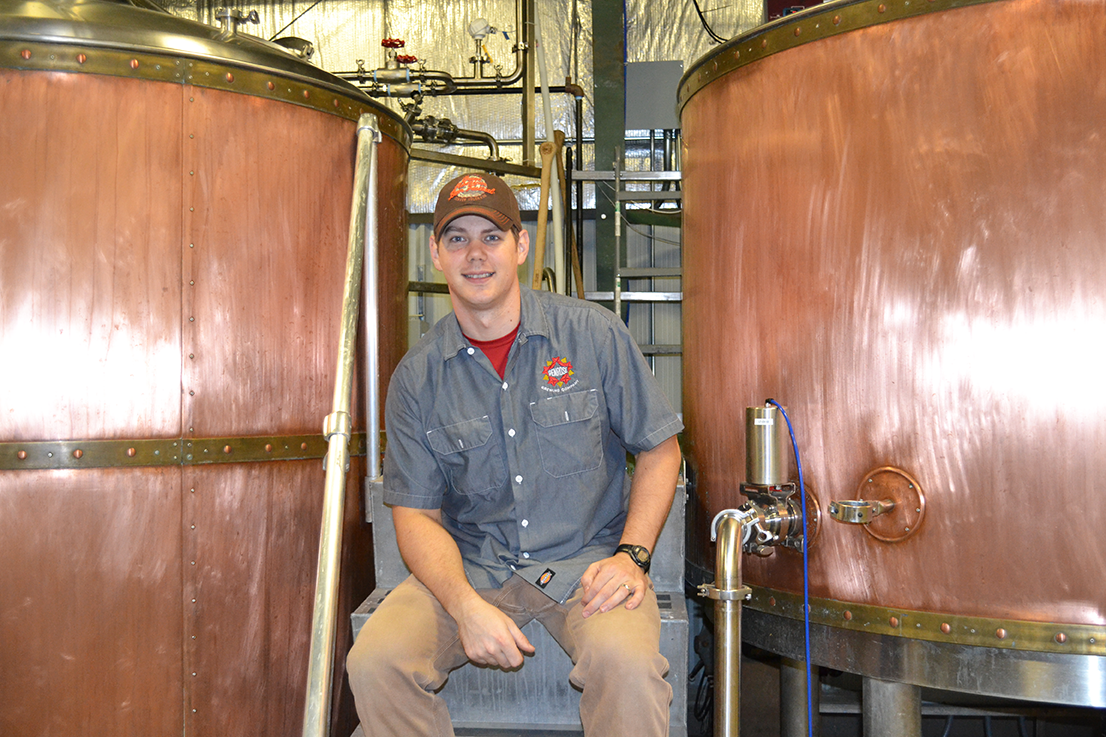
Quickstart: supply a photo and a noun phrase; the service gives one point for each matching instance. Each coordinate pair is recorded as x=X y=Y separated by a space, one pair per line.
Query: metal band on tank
x=812 y=24
x=217 y=74
x=1004 y=634
x=150 y=453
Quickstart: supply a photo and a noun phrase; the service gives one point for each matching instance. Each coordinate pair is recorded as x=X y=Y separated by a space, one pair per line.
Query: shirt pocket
x=473 y=463
x=570 y=433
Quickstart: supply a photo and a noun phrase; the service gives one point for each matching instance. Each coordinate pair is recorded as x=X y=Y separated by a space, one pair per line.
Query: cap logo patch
x=472 y=187
x=558 y=372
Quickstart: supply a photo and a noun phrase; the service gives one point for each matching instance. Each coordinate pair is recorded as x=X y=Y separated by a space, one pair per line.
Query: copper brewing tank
x=895 y=226
x=174 y=210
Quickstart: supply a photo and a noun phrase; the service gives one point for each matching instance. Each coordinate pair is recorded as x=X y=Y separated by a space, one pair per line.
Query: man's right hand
x=489 y=636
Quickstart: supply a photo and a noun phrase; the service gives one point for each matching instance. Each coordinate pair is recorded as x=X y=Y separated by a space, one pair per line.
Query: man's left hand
x=612 y=581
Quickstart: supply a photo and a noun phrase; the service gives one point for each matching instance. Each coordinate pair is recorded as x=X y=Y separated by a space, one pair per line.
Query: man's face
x=480 y=262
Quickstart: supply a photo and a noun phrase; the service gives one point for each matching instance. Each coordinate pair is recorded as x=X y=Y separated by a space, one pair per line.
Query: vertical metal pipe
x=727 y=630
x=338 y=427
x=891 y=709
x=617 y=166
x=527 y=10
x=793 y=706
x=370 y=321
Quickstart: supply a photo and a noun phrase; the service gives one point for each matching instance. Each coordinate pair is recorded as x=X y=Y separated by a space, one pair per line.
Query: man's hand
x=489 y=636
x=612 y=581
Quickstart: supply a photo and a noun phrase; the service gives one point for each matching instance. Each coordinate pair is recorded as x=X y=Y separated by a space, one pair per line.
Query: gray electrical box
x=651 y=94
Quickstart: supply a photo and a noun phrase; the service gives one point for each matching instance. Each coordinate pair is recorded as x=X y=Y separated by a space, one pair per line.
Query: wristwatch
x=639 y=554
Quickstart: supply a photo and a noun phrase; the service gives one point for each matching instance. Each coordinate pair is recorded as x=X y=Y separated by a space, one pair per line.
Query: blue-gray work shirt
x=529 y=470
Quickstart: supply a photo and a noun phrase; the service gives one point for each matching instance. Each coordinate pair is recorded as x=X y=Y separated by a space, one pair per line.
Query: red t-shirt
x=497 y=350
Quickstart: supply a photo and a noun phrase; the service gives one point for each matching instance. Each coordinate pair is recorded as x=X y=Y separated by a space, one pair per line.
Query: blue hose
x=806 y=574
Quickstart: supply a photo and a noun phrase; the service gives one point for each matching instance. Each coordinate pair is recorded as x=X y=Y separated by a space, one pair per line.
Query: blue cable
x=806 y=573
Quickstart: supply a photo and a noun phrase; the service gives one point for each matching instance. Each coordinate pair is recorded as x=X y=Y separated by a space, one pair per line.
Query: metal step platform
x=538 y=699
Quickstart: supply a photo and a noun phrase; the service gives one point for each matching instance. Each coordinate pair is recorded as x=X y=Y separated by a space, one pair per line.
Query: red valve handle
x=393 y=43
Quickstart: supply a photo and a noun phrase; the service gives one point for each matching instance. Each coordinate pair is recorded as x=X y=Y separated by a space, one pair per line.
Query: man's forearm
x=432 y=555
x=651 y=492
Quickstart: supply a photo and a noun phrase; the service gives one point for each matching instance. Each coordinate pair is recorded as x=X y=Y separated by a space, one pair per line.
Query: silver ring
x=627 y=587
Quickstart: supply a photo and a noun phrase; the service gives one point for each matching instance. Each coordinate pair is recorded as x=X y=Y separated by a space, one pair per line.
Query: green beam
x=609 y=60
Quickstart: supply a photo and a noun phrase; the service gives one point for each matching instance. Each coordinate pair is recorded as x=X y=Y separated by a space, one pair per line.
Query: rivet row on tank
x=191 y=319
x=771 y=601
x=848 y=615
x=946 y=628
x=882 y=8
x=894 y=621
x=21 y=455
x=1061 y=638
x=191 y=393
x=230 y=77
x=131 y=452
x=26 y=54
x=78 y=453
x=306 y=94
x=271 y=86
x=226 y=449
x=134 y=63
x=81 y=58
x=836 y=20
x=268 y=447
x=798 y=30
x=1000 y=633
x=764 y=43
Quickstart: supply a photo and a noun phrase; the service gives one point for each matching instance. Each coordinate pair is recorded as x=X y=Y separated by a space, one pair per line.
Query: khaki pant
x=406 y=650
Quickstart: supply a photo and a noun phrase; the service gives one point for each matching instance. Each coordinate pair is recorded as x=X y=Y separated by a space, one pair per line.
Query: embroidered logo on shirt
x=546 y=578
x=471 y=187
x=558 y=372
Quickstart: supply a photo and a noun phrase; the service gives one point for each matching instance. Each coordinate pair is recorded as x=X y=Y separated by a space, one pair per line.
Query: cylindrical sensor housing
x=766 y=459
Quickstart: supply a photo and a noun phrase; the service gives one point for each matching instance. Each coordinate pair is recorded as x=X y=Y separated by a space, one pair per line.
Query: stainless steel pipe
x=338 y=427
x=727 y=594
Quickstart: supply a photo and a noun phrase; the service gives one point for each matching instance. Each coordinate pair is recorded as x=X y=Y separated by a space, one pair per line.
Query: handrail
x=337 y=427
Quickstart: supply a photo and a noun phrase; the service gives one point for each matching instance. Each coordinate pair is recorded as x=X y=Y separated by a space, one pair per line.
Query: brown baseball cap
x=485 y=195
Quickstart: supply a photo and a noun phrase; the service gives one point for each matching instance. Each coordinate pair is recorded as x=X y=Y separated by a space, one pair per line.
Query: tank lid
x=830 y=18
x=143 y=27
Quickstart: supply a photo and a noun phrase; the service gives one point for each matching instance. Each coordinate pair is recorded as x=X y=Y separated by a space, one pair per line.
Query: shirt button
x=511 y=432
x=471 y=351
x=525 y=555
x=504 y=386
x=525 y=523
x=518 y=479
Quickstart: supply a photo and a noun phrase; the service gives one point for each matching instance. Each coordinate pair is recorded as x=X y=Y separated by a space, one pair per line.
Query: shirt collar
x=532 y=321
